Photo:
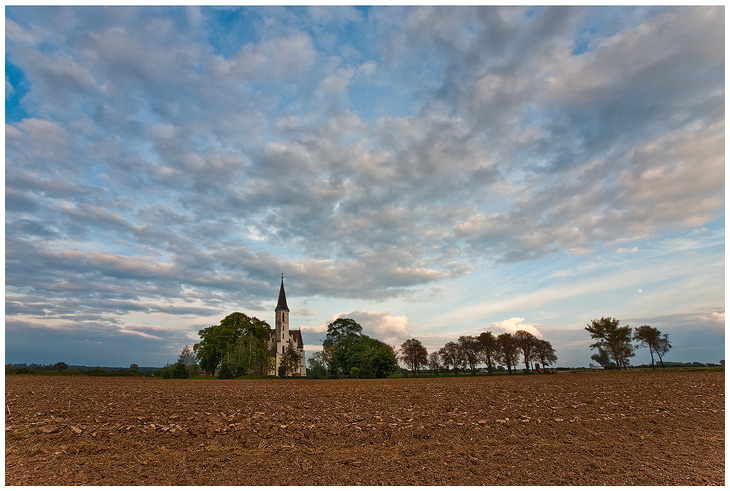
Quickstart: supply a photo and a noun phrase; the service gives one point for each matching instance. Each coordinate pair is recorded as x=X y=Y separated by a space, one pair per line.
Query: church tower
x=282 y=319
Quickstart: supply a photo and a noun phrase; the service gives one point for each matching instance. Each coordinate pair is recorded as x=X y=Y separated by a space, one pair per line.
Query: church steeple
x=282 y=297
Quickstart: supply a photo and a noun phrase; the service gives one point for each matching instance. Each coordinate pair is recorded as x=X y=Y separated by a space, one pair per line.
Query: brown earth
x=598 y=428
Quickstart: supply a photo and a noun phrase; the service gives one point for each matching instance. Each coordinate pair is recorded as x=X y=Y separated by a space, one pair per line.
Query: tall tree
x=378 y=360
x=509 y=351
x=452 y=356
x=647 y=337
x=662 y=347
x=342 y=337
x=489 y=349
x=470 y=348
x=526 y=342
x=544 y=353
x=413 y=354
x=614 y=340
x=217 y=341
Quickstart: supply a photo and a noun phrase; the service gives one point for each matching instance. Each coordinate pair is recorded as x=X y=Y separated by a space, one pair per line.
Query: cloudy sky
x=428 y=172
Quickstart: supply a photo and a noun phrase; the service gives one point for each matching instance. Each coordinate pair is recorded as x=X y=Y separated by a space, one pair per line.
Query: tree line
x=470 y=351
x=614 y=343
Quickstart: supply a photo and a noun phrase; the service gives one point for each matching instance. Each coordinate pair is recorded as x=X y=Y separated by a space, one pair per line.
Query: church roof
x=282 y=297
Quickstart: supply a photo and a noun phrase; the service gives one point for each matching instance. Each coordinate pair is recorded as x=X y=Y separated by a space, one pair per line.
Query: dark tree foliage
x=345 y=347
x=470 y=348
x=414 y=354
x=508 y=350
x=652 y=338
x=216 y=341
x=614 y=340
x=490 y=349
x=544 y=353
x=290 y=360
x=526 y=342
x=452 y=356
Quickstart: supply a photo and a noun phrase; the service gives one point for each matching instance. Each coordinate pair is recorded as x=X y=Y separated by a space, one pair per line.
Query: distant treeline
x=61 y=368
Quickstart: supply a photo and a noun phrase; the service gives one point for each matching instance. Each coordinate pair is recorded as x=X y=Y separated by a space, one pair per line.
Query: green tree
x=508 y=351
x=317 y=365
x=186 y=358
x=218 y=341
x=413 y=354
x=614 y=340
x=290 y=360
x=343 y=336
x=378 y=361
x=490 y=349
x=526 y=342
x=60 y=366
x=603 y=358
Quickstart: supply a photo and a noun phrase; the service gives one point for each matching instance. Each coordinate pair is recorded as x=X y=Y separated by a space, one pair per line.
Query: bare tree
x=414 y=354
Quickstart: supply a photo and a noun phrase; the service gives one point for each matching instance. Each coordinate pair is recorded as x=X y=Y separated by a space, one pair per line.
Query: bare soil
x=598 y=428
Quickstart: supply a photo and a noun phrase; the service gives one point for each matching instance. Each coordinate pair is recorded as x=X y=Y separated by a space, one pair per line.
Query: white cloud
x=514 y=324
x=716 y=318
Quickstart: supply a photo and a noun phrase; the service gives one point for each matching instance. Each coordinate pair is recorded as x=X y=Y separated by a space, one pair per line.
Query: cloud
x=180 y=158
x=392 y=330
x=514 y=324
x=715 y=318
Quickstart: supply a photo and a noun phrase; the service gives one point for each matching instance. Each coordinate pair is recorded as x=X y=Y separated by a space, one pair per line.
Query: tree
x=470 y=348
x=544 y=353
x=434 y=362
x=290 y=360
x=317 y=365
x=218 y=341
x=489 y=349
x=342 y=337
x=414 y=354
x=603 y=358
x=652 y=338
x=378 y=361
x=614 y=340
x=452 y=356
x=508 y=350
x=186 y=357
x=60 y=366
x=526 y=342
x=662 y=347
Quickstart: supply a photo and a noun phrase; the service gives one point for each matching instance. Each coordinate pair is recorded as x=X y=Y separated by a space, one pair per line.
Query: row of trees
x=346 y=351
x=470 y=351
x=614 y=342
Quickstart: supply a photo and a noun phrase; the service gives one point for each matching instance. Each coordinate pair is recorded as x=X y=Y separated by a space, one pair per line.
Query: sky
x=429 y=172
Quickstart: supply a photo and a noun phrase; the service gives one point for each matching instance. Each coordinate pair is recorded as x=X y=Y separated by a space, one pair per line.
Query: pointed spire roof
x=282 y=296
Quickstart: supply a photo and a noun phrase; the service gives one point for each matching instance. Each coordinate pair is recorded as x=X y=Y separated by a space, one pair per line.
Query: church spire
x=282 y=296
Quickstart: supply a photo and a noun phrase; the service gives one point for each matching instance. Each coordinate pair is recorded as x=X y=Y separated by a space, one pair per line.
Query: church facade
x=280 y=337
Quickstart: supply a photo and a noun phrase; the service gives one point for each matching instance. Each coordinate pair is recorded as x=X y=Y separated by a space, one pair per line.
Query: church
x=281 y=335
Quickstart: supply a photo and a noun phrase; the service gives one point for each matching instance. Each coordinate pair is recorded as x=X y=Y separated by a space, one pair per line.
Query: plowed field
x=599 y=428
